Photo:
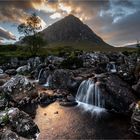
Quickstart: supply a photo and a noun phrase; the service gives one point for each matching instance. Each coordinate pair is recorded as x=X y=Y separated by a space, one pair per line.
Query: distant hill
x=131 y=46
x=71 y=29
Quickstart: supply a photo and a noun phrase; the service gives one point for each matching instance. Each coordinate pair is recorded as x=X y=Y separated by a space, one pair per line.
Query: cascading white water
x=39 y=74
x=48 y=82
x=113 y=70
x=89 y=93
x=111 y=67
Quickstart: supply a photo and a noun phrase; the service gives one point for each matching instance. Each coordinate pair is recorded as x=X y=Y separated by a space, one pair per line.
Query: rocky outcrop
x=19 y=122
x=118 y=94
x=34 y=62
x=135 y=119
x=8 y=135
x=17 y=88
x=23 y=69
x=59 y=78
x=63 y=79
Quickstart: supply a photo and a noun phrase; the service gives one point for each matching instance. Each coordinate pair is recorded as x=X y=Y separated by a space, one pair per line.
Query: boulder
x=126 y=72
x=54 y=60
x=61 y=78
x=17 y=88
x=11 y=72
x=46 y=99
x=137 y=88
x=118 y=94
x=135 y=120
x=68 y=101
x=23 y=69
x=34 y=62
x=8 y=135
x=20 y=122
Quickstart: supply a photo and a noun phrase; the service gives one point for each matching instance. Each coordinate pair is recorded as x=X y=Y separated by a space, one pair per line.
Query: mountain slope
x=70 y=29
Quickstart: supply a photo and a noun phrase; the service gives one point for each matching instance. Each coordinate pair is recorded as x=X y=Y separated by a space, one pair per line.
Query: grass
x=84 y=46
x=55 y=48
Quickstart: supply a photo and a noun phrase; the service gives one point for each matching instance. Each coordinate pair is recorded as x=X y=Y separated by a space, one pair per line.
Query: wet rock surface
x=9 y=135
x=19 y=122
x=45 y=99
x=117 y=73
x=118 y=94
x=17 y=88
x=135 y=119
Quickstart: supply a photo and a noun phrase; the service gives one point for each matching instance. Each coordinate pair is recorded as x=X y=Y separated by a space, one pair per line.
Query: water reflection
x=58 y=122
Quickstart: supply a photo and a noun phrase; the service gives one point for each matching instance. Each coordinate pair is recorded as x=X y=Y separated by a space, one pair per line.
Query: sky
x=117 y=22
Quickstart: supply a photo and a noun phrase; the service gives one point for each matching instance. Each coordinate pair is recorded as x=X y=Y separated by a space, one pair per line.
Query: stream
x=58 y=122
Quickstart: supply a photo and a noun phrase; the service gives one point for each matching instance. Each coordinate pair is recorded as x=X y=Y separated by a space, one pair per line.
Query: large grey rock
x=34 y=62
x=18 y=87
x=23 y=69
x=135 y=120
x=61 y=78
x=54 y=60
x=8 y=135
x=20 y=122
x=118 y=94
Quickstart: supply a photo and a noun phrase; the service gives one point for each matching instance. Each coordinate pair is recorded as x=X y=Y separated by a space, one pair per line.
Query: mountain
x=71 y=29
x=131 y=46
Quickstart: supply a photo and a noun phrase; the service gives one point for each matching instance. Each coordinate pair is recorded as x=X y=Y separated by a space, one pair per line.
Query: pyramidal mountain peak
x=71 y=28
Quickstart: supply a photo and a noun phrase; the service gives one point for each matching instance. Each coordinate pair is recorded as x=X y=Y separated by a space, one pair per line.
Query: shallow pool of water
x=58 y=122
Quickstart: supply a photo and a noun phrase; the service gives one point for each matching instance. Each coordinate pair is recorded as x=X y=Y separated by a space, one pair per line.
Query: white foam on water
x=91 y=108
x=89 y=93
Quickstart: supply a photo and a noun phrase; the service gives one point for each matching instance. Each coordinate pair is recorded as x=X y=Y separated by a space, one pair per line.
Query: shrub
x=72 y=62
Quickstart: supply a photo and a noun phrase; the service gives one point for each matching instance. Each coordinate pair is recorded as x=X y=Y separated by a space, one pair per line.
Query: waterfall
x=111 y=67
x=113 y=70
x=48 y=82
x=39 y=74
x=89 y=93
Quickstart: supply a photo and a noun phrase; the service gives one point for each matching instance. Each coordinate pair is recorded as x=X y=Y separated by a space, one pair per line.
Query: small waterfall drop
x=89 y=93
x=111 y=67
x=39 y=74
x=48 y=82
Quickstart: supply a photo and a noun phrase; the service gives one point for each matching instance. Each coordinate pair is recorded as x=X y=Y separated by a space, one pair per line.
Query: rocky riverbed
x=38 y=96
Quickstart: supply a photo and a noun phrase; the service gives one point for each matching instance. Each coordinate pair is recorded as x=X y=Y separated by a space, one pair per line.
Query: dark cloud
x=116 y=21
x=16 y=11
x=4 y=34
